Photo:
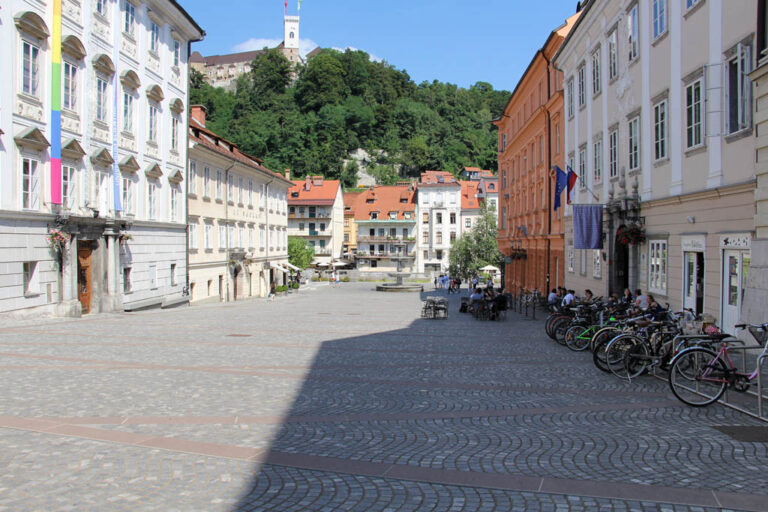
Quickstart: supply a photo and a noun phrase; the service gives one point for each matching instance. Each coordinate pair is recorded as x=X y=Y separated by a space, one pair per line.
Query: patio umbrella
x=490 y=268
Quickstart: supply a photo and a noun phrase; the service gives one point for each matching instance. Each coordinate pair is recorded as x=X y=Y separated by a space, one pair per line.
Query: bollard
x=534 y=310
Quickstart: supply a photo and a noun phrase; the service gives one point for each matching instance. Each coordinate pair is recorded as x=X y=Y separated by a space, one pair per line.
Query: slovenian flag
x=561 y=182
x=572 y=177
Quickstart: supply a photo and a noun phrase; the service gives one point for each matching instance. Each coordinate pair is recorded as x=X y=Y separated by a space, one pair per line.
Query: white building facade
x=439 y=220
x=93 y=111
x=658 y=127
x=316 y=214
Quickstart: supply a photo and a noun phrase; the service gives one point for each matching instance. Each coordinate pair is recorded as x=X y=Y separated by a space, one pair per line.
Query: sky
x=456 y=41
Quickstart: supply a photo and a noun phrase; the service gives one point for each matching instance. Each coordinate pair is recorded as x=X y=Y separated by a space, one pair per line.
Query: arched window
x=291 y=36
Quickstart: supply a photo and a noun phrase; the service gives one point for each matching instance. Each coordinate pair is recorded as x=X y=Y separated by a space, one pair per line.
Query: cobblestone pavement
x=344 y=399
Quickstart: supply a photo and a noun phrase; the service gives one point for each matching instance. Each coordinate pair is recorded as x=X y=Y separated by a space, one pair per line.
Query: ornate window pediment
x=32 y=138
x=130 y=79
x=129 y=164
x=177 y=105
x=103 y=64
x=72 y=150
x=102 y=158
x=153 y=171
x=73 y=47
x=176 y=177
x=32 y=24
x=155 y=93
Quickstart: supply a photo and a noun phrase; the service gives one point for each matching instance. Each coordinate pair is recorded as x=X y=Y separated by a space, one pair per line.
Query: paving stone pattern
x=344 y=399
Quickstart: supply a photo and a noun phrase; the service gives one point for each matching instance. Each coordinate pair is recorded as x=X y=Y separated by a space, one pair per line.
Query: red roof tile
x=385 y=199
x=469 y=199
x=325 y=193
x=437 y=178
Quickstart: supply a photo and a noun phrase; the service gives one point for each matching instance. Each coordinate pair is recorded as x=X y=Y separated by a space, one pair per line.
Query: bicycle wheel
x=604 y=334
x=698 y=377
x=616 y=352
x=636 y=360
x=577 y=338
x=560 y=328
x=598 y=355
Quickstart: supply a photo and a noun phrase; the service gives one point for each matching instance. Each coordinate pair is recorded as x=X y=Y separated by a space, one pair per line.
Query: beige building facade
x=237 y=222
x=316 y=214
x=659 y=129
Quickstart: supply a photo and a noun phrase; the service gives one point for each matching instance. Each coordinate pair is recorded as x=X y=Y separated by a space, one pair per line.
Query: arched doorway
x=620 y=277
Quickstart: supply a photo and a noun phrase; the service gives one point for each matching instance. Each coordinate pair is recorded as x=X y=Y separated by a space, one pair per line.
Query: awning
x=278 y=267
x=292 y=267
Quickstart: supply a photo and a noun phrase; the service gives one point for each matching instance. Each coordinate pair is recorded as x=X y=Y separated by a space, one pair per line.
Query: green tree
x=269 y=76
x=322 y=82
x=476 y=248
x=300 y=252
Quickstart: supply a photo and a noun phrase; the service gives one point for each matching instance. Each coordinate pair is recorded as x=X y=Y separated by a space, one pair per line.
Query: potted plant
x=57 y=239
x=124 y=237
x=630 y=235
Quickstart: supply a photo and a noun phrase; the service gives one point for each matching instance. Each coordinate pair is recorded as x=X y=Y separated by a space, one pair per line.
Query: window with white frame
x=241 y=236
x=738 y=90
x=582 y=86
x=128 y=199
x=152 y=122
x=127 y=111
x=596 y=71
x=230 y=188
x=613 y=55
x=597 y=161
x=262 y=239
x=219 y=184
x=570 y=97
x=250 y=193
x=468 y=223
x=69 y=83
x=68 y=186
x=206 y=181
x=583 y=261
x=583 y=166
x=597 y=264
x=102 y=177
x=222 y=235
x=633 y=148
x=174 y=133
x=691 y=3
x=154 y=37
x=30 y=278
x=633 y=44
x=192 y=229
x=151 y=200
x=192 y=184
x=250 y=237
x=30 y=184
x=613 y=148
x=571 y=259
x=660 y=130
x=176 y=53
x=30 y=76
x=694 y=110
x=129 y=18
x=208 y=235
x=659 y=9
x=101 y=98
x=231 y=235
x=127 y=285
x=657 y=266
x=240 y=189
x=174 y=206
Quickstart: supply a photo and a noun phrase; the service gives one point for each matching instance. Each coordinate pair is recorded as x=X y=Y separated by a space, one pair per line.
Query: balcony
x=322 y=251
x=386 y=254
x=385 y=238
x=306 y=215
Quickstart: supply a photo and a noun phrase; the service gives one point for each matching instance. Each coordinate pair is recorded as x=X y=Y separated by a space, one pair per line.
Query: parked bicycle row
x=628 y=341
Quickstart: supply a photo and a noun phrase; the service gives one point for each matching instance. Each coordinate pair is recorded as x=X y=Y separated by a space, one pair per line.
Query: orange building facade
x=531 y=140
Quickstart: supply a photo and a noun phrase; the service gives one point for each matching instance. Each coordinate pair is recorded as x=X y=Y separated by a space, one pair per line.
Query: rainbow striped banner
x=56 y=105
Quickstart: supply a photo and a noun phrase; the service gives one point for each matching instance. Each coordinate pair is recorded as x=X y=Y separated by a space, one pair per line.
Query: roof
x=350 y=200
x=385 y=199
x=324 y=194
x=203 y=136
x=582 y=14
x=469 y=199
x=196 y=57
x=231 y=58
x=189 y=18
x=437 y=178
x=490 y=186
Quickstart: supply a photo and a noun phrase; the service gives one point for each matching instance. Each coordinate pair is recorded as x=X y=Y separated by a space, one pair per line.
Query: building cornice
x=712 y=193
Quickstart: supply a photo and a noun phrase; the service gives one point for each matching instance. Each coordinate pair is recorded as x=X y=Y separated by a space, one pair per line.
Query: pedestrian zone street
x=342 y=398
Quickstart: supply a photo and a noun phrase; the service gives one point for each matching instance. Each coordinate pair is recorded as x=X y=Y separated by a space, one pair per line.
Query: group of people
x=639 y=302
x=452 y=284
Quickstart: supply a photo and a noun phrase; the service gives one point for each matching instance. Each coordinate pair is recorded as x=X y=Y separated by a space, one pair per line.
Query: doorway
x=620 y=278
x=693 y=281
x=236 y=281
x=84 y=275
x=735 y=268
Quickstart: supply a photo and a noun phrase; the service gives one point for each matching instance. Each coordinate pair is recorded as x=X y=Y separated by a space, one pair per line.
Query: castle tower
x=291 y=38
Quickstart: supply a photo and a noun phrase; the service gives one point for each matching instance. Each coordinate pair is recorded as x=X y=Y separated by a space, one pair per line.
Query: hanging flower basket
x=630 y=235
x=57 y=239
x=124 y=237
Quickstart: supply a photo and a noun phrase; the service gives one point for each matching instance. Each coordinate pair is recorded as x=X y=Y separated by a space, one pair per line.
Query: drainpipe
x=266 y=230
x=186 y=140
x=226 y=223
x=549 y=178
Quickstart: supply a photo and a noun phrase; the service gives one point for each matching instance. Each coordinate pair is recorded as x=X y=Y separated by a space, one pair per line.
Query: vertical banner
x=115 y=108
x=56 y=105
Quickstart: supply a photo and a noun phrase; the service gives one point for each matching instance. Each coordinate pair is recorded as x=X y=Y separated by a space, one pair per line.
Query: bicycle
x=698 y=376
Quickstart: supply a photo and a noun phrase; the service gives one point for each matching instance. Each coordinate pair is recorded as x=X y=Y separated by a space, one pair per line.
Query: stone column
x=69 y=304
x=113 y=298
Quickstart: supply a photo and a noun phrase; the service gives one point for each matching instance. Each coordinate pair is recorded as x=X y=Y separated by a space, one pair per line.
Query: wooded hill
x=339 y=102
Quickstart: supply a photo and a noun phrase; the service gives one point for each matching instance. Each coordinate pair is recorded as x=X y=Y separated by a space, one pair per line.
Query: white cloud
x=374 y=58
x=258 y=43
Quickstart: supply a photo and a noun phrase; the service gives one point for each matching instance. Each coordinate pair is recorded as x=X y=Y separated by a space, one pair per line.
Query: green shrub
x=295 y=286
x=281 y=288
x=344 y=279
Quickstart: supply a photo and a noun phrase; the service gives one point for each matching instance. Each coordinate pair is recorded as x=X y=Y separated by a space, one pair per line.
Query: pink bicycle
x=699 y=376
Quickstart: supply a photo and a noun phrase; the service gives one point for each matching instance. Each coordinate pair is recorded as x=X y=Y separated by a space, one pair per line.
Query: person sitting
x=627 y=297
x=569 y=298
x=477 y=296
x=588 y=296
x=641 y=302
x=654 y=309
x=552 y=297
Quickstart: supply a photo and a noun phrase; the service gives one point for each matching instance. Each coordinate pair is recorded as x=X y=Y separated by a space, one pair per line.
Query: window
x=152 y=129
x=129 y=17
x=634 y=143
x=503 y=142
x=657 y=266
x=101 y=99
x=69 y=96
x=597 y=161
x=613 y=145
x=173 y=274
x=250 y=193
x=596 y=71
x=738 y=92
x=453 y=218
x=693 y=115
x=176 y=53
x=301 y=226
x=659 y=17
x=206 y=181
x=30 y=278
x=660 y=130
x=219 y=184
x=583 y=262
x=439 y=254
x=153 y=277
x=583 y=167
x=192 y=186
x=174 y=202
x=240 y=189
x=231 y=236
x=128 y=206
x=127 y=285
x=597 y=264
x=632 y=41
x=439 y=237
x=241 y=236
x=425 y=218
x=250 y=237
x=439 y=218
x=582 y=86
x=392 y=215
x=613 y=55
x=68 y=186
x=101 y=7
x=154 y=37
x=231 y=188
x=374 y=215
x=557 y=138
x=570 y=97
x=208 y=236
x=690 y=3
x=222 y=235
x=151 y=200
x=192 y=235
x=453 y=236
x=30 y=184
x=102 y=189
x=174 y=133
x=571 y=259
x=127 y=112
x=468 y=223
x=425 y=237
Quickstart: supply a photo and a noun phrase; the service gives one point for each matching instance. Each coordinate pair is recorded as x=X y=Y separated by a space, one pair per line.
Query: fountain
x=399 y=285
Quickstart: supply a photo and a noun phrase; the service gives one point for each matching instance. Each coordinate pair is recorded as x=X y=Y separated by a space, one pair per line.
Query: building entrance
x=620 y=277
x=84 y=275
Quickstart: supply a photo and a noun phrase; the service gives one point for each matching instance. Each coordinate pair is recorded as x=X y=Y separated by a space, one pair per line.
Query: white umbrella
x=490 y=268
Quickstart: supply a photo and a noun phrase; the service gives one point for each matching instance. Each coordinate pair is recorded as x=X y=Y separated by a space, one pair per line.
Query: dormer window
x=369 y=201
x=374 y=215
x=393 y=215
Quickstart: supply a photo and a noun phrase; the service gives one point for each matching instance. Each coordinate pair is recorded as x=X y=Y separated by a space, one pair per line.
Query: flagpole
x=585 y=185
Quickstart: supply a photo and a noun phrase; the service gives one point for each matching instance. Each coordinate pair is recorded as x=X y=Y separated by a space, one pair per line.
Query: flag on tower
x=561 y=181
x=300 y=5
x=285 y=9
x=572 y=176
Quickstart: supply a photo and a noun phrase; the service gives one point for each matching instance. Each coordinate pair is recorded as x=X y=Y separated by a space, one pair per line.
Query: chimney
x=198 y=114
x=308 y=183
x=288 y=174
x=317 y=181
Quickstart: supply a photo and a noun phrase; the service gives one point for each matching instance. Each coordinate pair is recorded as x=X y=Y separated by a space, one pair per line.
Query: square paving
x=342 y=398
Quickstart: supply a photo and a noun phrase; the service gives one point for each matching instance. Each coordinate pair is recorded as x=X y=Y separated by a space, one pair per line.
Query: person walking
x=272 y=291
